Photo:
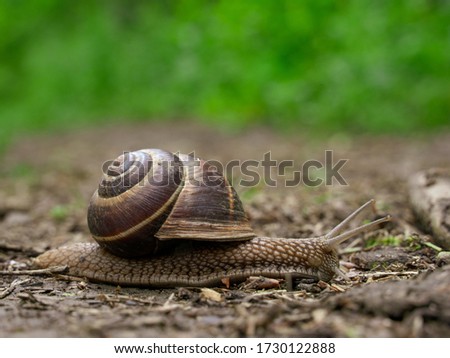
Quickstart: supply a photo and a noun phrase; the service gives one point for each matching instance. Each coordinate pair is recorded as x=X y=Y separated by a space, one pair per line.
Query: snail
x=165 y=220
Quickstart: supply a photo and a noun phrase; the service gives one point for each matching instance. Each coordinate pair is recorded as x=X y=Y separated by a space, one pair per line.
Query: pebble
x=443 y=258
x=14 y=218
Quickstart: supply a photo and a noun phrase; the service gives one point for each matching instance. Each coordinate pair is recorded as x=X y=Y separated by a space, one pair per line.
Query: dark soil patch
x=396 y=288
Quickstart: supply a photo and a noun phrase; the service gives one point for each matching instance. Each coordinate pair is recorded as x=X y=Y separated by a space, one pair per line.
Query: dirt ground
x=396 y=289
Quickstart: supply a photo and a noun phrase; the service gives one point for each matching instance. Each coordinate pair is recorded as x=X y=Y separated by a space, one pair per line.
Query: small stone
x=209 y=294
x=443 y=258
x=319 y=315
x=15 y=218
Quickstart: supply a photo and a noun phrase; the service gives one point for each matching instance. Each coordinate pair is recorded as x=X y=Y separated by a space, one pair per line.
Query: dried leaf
x=226 y=281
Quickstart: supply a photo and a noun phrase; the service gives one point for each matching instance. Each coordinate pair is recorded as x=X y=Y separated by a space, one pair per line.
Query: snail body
x=164 y=220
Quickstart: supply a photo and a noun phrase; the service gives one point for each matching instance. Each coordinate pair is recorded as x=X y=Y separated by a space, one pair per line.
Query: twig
x=433 y=246
x=351 y=250
x=123 y=299
x=28 y=296
x=69 y=278
x=169 y=300
x=257 y=295
x=8 y=290
x=27 y=250
x=394 y=273
x=46 y=271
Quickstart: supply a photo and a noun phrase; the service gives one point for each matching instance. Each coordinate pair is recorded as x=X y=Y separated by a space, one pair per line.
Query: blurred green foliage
x=355 y=65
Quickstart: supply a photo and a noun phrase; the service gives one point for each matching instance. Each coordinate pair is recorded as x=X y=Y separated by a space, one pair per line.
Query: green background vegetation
x=323 y=66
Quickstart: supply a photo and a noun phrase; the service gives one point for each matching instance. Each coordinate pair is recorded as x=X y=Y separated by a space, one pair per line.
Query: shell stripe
x=230 y=199
x=143 y=223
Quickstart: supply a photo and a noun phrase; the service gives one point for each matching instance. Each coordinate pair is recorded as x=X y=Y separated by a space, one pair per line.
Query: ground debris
x=37 y=272
x=443 y=258
x=124 y=299
x=260 y=283
x=425 y=296
x=397 y=296
x=383 y=274
x=381 y=257
x=208 y=294
x=429 y=192
x=29 y=251
x=7 y=291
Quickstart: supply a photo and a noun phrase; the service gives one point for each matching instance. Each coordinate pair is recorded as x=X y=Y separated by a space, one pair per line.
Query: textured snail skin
x=201 y=265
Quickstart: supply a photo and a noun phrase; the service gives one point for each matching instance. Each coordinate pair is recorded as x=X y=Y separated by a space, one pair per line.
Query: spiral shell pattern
x=148 y=197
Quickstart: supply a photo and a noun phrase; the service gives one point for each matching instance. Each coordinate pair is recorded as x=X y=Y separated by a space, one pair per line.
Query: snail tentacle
x=335 y=241
x=344 y=223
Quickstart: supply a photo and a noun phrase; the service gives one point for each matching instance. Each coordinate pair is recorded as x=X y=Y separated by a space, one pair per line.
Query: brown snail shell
x=151 y=196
